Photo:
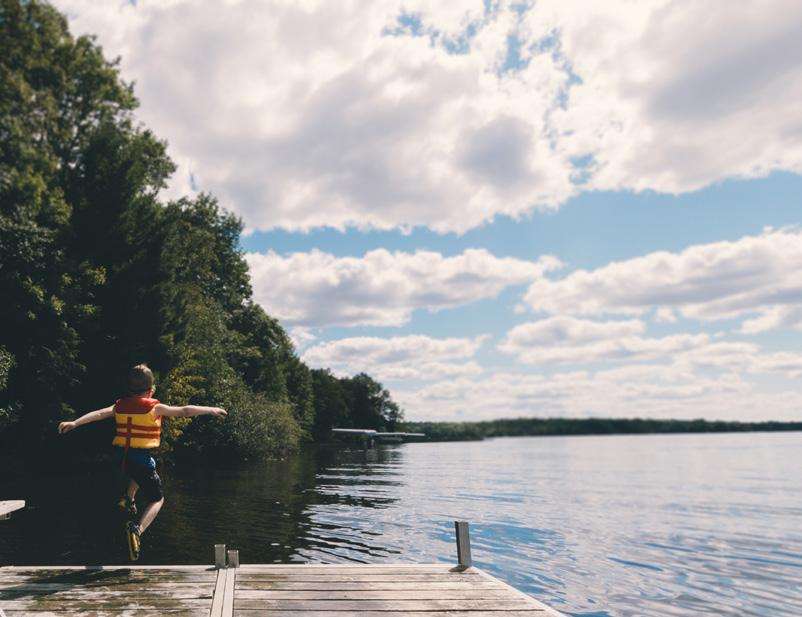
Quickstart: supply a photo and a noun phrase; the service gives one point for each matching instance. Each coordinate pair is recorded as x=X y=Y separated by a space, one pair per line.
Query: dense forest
x=519 y=427
x=97 y=273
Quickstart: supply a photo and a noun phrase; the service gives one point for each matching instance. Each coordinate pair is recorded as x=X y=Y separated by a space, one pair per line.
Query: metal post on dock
x=233 y=559
x=463 y=545
x=219 y=556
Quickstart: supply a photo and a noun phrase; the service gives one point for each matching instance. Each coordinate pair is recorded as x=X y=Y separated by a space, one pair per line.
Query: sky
x=500 y=209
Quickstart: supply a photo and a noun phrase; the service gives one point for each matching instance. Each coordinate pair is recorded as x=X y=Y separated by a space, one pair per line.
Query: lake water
x=593 y=526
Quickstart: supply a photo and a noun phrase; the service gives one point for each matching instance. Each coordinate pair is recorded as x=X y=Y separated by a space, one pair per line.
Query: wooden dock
x=230 y=590
x=436 y=590
x=7 y=507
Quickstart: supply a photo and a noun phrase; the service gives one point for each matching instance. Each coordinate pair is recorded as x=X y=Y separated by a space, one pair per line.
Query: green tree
x=256 y=425
x=261 y=350
x=301 y=394
x=54 y=92
x=332 y=408
x=370 y=403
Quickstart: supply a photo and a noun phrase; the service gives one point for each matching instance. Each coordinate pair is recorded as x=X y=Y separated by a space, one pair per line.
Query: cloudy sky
x=545 y=208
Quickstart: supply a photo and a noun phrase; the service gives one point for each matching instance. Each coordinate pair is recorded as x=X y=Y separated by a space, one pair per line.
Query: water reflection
x=300 y=509
x=596 y=526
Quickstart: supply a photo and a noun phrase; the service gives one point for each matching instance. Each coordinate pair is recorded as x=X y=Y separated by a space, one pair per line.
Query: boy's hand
x=219 y=411
x=66 y=427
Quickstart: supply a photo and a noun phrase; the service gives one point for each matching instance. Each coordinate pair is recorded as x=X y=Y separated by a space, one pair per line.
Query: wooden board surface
x=434 y=590
x=107 y=591
x=183 y=612
x=391 y=613
x=9 y=506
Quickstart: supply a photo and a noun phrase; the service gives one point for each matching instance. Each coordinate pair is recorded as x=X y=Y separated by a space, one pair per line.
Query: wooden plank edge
x=545 y=607
x=228 y=597
x=10 y=505
x=260 y=612
x=105 y=568
x=355 y=606
x=219 y=592
x=81 y=610
x=446 y=567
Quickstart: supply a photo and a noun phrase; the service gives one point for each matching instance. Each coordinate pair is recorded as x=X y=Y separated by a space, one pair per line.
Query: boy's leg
x=126 y=502
x=145 y=478
x=151 y=485
x=133 y=487
x=149 y=513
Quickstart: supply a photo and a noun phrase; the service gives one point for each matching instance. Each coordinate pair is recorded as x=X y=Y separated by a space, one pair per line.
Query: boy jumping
x=139 y=419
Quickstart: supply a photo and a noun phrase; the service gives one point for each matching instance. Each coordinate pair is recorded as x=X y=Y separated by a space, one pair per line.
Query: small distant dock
x=432 y=590
x=7 y=507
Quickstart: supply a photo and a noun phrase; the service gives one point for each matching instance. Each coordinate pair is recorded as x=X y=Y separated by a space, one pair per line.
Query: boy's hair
x=140 y=379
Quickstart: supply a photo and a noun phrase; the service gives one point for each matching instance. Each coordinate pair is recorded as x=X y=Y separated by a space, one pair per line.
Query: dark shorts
x=141 y=468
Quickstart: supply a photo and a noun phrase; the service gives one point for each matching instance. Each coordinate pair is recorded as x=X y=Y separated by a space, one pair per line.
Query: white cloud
x=559 y=340
x=775 y=317
x=739 y=357
x=300 y=115
x=782 y=362
x=567 y=339
x=380 y=288
x=561 y=330
x=647 y=391
x=412 y=357
x=301 y=337
x=756 y=274
x=732 y=356
x=676 y=95
x=665 y=315
x=304 y=115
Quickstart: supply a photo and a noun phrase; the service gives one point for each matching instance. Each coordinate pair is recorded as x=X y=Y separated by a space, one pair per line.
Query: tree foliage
x=520 y=427
x=97 y=273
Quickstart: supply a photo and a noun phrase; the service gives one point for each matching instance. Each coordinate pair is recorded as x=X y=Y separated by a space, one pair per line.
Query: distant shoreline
x=542 y=427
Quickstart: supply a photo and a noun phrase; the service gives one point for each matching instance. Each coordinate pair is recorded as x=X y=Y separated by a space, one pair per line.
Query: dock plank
x=337 y=568
x=183 y=612
x=228 y=599
x=239 y=612
x=16 y=572
x=398 y=585
x=99 y=586
x=448 y=604
x=102 y=596
x=81 y=605
x=356 y=578
x=219 y=593
x=520 y=594
x=10 y=505
x=387 y=594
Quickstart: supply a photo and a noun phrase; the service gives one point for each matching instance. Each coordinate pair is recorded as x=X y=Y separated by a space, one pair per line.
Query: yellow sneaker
x=134 y=542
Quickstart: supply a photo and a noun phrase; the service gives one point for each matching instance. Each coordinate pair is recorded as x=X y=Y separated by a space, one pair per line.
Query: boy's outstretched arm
x=189 y=410
x=92 y=416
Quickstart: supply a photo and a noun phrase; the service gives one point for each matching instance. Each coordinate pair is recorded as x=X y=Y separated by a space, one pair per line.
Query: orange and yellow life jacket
x=138 y=426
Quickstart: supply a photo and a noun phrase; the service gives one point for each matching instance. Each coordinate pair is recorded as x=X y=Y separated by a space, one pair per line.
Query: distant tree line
x=98 y=274
x=520 y=427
